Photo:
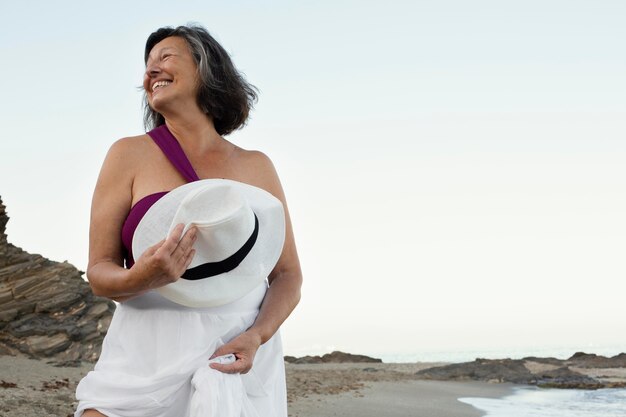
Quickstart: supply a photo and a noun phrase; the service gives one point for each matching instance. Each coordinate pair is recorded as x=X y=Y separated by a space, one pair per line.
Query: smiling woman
x=164 y=355
x=221 y=90
x=170 y=79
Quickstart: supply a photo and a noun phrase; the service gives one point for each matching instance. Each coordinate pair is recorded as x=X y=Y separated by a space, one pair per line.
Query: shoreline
x=401 y=399
x=35 y=387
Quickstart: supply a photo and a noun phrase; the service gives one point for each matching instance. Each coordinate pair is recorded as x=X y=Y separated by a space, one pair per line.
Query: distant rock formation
x=46 y=309
x=334 y=357
x=590 y=360
x=543 y=372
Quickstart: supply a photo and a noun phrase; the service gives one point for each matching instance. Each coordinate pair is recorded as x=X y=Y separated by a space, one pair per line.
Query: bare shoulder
x=130 y=146
x=256 y=159
x=119 y=166
x=124 y=153
x=259 y=170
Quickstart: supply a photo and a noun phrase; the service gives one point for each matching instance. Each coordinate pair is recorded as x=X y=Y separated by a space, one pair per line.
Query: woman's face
x=171 y=74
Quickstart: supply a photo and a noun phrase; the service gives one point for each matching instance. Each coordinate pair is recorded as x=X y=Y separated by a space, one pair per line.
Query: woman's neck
x=195 y=133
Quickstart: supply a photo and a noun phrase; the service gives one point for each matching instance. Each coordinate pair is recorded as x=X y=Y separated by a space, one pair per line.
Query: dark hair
x=224 y=94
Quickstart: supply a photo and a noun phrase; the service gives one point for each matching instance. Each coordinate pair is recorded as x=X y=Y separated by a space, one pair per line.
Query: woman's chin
x=159 y=105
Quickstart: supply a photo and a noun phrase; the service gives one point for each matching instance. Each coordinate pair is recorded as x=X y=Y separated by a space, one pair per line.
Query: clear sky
x=455 y=170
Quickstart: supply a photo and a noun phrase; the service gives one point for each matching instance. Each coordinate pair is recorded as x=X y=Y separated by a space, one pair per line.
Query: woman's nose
x=152 y=69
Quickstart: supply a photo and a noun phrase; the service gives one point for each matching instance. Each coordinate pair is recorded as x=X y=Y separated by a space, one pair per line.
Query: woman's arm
x=159 y=265
x=285 y=281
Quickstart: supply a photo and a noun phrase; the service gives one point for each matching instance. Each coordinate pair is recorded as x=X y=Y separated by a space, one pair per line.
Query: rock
x=341 y=357
x=500 y=370
x=590 y=360
x=546 y=361
x=46 y=345
x=566 y=378
x=66 y=364
x=515 y=371
x=334 y=357
x=308 y=360
x=582 y=355
x=97 y=310
x=42 y=303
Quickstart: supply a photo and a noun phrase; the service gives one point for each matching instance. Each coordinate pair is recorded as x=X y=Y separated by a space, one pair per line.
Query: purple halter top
x=174 y=152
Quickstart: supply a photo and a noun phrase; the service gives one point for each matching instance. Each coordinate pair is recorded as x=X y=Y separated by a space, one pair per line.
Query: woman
x=191 y=87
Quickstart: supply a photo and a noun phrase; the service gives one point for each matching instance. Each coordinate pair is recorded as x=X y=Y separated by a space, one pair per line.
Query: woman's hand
x=244 y=348
x=164 y=262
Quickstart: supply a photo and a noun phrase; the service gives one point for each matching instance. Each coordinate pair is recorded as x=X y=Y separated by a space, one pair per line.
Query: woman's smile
x=160 y=84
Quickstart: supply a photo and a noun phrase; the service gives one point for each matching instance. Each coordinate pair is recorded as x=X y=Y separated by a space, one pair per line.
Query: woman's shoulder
x=125 y=152
x=128 y=148
x=254 y=157
x=255 y=161
x=259 y=170
x=131 y=143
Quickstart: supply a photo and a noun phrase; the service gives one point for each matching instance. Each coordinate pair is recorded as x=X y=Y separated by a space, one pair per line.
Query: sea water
x=466 y=355
x=543 y=402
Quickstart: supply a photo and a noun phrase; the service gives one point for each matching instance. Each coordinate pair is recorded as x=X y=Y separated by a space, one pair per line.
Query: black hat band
x=210 y=269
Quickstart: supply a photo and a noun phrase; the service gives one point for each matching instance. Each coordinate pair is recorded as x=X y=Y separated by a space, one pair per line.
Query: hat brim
x=229 y=286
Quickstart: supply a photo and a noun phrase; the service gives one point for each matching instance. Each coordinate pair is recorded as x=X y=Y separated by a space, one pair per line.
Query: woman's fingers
x=152 y=249
x=167 y=260
x=185 y=247
x=185 y=261
x=244 y=348
x=173 y=240
x=188 y=240
x=240 y=366
x=176 y=246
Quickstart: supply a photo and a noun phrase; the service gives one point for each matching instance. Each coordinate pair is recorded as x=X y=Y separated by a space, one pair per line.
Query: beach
x=30 y=387
x=400 y=399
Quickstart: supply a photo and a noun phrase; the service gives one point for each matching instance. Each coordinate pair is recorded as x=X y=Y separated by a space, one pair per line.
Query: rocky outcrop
x=47 y=310
x=545 y=361
x=565 y=377
x=543 y=372
x=505 y=370
x=590 y=360
x=334 y=357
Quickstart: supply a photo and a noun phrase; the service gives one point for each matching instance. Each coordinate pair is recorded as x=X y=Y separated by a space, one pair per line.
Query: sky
x=454 y=170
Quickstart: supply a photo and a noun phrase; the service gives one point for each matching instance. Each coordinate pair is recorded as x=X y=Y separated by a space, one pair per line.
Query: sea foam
x=541 y=402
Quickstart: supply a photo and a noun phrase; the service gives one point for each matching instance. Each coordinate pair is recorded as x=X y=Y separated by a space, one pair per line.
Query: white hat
x=240 y=236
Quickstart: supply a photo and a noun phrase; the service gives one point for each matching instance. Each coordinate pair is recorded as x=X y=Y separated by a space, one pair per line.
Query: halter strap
x=174 y=152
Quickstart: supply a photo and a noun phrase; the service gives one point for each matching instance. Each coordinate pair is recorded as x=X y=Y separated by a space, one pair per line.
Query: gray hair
x=223 y=95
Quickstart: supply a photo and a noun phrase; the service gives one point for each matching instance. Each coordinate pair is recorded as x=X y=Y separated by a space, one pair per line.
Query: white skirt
x=154 y=363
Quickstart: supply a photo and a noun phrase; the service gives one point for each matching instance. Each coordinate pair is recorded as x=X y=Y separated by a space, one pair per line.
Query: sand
x=37 y=388
x=380 y=390
x=41 y=390
x=401 y=399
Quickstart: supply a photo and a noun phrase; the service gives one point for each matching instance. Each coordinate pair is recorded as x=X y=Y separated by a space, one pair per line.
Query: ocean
x=541 y=402
x=467 y=355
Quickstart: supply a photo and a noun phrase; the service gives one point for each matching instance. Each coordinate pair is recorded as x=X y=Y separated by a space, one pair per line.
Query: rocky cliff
x=47 y=310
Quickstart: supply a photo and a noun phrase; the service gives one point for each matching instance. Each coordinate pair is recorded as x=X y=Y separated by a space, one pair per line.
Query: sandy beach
x=400 y=399
x=380 y=389
x=38 y=388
